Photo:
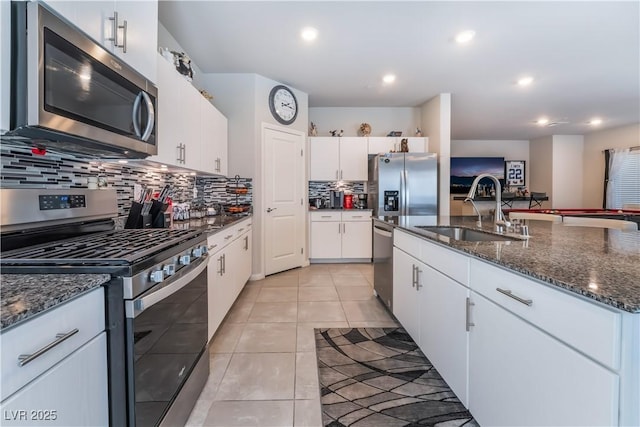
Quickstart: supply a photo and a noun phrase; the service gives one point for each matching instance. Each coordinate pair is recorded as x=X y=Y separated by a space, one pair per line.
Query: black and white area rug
x=378 y=377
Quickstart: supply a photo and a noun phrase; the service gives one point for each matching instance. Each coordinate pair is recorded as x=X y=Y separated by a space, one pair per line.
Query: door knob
x=271 y=209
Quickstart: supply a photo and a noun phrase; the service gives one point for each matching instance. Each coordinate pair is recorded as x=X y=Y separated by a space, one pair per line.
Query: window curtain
x=617 y=158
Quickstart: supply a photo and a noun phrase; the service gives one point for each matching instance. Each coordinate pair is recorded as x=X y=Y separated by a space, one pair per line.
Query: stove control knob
x=169 y=269
x=197 y=252
x=185 y=260
x=157 y=276
x=204 y=249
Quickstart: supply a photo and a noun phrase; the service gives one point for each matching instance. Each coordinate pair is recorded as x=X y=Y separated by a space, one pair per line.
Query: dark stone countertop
x=599 y=263
x=210 y=224
x=26 y=295
x=312 y=209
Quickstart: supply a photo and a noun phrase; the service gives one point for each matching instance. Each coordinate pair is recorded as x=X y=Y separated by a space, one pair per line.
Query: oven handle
x=179 y=280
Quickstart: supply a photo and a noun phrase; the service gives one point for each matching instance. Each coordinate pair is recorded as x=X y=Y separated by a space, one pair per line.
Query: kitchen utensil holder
x=154 y=219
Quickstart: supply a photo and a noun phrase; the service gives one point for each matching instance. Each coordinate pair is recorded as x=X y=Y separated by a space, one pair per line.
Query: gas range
x=158 y=284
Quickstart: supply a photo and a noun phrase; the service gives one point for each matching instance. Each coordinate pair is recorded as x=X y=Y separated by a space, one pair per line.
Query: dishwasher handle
x=383 y=232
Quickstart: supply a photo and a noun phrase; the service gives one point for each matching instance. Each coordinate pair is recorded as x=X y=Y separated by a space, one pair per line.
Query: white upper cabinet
x=353 y=159
x=333 y=159
x=214 y=135
x=128 y=28
x=192 y=133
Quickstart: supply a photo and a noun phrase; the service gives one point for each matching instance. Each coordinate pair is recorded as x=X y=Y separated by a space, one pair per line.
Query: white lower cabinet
x=515 y=351
x=72 y=393
x=64 y=381
x=432 y=309
x=406 y=305
x=345 y=235
x=519 y=375
x=228 y=271
x=443 y=327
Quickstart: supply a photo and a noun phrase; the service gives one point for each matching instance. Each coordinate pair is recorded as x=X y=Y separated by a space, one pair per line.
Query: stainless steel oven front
x=166 y=336
x=68 y=91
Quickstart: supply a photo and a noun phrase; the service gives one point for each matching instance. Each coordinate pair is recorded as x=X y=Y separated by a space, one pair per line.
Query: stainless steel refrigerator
x=403 y=184
x=400 y=184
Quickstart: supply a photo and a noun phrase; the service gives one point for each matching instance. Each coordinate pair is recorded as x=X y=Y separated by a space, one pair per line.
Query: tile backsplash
x=321 y=188
x=20 y=168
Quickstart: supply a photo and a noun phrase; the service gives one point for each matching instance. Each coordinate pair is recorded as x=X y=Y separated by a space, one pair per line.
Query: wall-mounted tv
x=465 y=169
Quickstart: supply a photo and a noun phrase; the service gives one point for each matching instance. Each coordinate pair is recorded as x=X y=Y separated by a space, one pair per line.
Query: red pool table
x=626 y=214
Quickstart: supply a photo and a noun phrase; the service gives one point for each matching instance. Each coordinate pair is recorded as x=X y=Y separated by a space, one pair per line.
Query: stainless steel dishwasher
x=383 y=261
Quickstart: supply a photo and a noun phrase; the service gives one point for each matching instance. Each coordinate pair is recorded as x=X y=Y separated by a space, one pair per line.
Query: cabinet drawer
x=591 y=329
x=326 y=216
x=446 y=261
x=85 y=313
x=408 y=243
x=356 y=216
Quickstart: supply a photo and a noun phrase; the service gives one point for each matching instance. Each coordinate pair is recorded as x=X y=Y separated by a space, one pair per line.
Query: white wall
x=243 y=99
x=382 y=120
x=541 y=167
x=435 y=117
x=593 y=159
x=5 y=63
x=567 y=171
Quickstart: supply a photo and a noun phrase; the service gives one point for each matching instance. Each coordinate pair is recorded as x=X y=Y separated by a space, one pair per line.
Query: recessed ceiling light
x=123 y=161
x=163 y=166
x=595 y=122
x=542 y=121
x=192 y=174
x=309 y=34
x=389 y=78
x=525 y=81
x=465 y=36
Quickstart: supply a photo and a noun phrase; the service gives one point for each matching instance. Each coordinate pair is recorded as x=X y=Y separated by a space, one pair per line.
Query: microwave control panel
x=59 y=201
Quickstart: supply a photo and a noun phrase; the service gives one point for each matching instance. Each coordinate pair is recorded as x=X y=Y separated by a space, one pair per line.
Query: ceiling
x=584 y=57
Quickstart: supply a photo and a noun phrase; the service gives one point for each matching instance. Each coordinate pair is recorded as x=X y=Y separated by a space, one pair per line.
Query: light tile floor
x=263 y=368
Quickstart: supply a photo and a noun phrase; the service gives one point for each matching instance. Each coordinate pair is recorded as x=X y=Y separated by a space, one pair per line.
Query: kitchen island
x=542 y=331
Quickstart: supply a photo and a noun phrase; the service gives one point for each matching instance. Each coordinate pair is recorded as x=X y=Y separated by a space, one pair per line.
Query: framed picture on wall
x=514 y=173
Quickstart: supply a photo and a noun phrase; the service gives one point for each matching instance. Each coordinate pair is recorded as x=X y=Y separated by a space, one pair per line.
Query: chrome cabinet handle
x=271 y=209
x=413 y=275
x=114 y=29
x=228 y=236
x=344 y=228
x=508 y=293
x=179 y=157
x=224 y=264
x=337 y=175
x=468 y=314
x=211 y=247
x=340 y=173
x=23 y=359
x=124 y=36
x=220 y=265
x=325 y=216
x=246 y=243
x=240 y=230
x=418 y=285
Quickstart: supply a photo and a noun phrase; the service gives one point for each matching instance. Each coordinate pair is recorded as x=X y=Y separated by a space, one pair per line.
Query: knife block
x=154 y=219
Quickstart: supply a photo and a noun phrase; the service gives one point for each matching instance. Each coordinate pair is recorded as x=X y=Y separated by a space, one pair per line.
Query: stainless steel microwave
x=70 y=93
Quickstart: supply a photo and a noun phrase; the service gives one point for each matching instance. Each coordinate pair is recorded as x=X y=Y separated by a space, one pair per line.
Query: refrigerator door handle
x=405 y=204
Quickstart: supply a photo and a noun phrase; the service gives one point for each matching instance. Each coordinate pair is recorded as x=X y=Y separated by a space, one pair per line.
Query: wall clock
x=514 y=172
x=283 y=104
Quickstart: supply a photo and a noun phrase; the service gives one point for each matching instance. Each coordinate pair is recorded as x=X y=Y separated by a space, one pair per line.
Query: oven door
x=166 y=337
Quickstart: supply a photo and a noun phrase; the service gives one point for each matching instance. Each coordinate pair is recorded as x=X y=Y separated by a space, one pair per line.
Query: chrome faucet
x=498 y=217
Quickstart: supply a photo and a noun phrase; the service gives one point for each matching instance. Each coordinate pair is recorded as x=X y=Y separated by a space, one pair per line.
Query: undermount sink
x=467 y=234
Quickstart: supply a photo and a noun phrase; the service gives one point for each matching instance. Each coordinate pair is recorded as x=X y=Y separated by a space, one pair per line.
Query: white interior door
x=284 y=214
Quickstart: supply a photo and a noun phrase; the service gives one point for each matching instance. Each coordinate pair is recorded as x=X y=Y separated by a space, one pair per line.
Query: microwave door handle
x=134 y=114
x=151 y=116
